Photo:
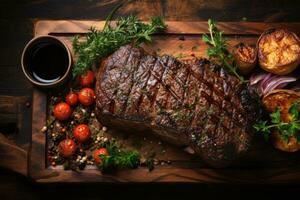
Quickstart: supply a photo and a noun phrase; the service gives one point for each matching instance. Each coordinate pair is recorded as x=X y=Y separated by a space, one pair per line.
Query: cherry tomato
x=82 y=133
x=67 y=148
x=62 y=111
x=101 y=151
x=86 y=96
x=87 y=79
x=72 y=99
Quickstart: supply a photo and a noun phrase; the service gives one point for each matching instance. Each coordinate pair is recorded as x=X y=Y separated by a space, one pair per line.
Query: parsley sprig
x=218 y=49
x=117 y=158
x=99 y=44
x=285 y=129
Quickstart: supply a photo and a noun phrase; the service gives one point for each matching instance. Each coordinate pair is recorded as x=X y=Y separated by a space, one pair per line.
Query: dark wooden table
x=16 y=25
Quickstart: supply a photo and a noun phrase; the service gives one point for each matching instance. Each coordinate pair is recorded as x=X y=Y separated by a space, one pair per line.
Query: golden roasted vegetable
x=245 y=56
x=292 y=146
x=279 y=51
x=282 y=99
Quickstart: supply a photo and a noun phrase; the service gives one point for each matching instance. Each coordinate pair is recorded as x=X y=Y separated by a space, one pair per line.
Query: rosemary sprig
x=284 y=129
x=99 y=44
x=218 y=49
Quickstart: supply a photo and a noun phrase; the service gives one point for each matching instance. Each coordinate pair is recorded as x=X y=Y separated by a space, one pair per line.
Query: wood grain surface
x=263 y=164
x=16 y=23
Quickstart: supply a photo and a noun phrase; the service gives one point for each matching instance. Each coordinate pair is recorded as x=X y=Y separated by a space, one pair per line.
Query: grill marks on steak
x=193 y=102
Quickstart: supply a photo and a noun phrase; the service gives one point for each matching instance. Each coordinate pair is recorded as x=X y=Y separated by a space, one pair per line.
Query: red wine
x=48 y=62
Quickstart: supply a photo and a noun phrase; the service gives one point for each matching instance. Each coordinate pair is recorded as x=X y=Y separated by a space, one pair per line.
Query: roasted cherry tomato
x=72 y=99
x=87 y=79
x=97 y=153
x=62 y=111
x=82 y=133
x=86 y=96
x=67 y=148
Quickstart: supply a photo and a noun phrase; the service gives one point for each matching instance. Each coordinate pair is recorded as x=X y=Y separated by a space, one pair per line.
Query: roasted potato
x=245 y=56
x=282 y=99
x=278 y=51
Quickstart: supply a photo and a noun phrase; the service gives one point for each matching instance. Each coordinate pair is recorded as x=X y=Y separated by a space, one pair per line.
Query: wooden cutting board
x=263 y=164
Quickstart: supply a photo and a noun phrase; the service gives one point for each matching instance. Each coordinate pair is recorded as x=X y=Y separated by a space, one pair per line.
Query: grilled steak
x=193 y=103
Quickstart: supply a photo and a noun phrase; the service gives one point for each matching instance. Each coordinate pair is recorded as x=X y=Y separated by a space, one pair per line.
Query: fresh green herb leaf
x=284 y=129
x=117 y=158
x=275 y=116
x=218 y=49
x=294 y=111
x=99 y=44
x=261 y=127
x=150 y=161
x=206 y=38
x=150 y=164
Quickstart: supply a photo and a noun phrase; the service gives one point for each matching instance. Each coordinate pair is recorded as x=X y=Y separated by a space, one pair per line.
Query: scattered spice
x=244 y=19
x=44 y=129
x=27 y=104
x=57 y=131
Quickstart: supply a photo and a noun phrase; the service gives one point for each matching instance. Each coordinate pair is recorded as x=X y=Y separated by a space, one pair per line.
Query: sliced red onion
x=267 y=82
x=255 y=78
x=275 y=84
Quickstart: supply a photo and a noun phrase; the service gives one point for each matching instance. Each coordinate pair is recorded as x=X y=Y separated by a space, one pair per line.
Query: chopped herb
x=150 y=162
x=180 y=46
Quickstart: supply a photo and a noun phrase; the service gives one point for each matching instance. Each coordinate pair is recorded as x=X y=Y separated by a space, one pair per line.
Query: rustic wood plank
x=16 y=187
x=37 y=153
x=13 y=115
x=13 y=157
x=13 y=80
x=175 y=175
x=263 y=164
x=174 y=27
x=222 y=10
x=15 y=34
x=13 y=146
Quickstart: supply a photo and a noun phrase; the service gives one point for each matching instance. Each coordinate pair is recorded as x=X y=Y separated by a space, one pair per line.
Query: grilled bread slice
x=245 y=56
x=284 y=100
x=279 y=51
